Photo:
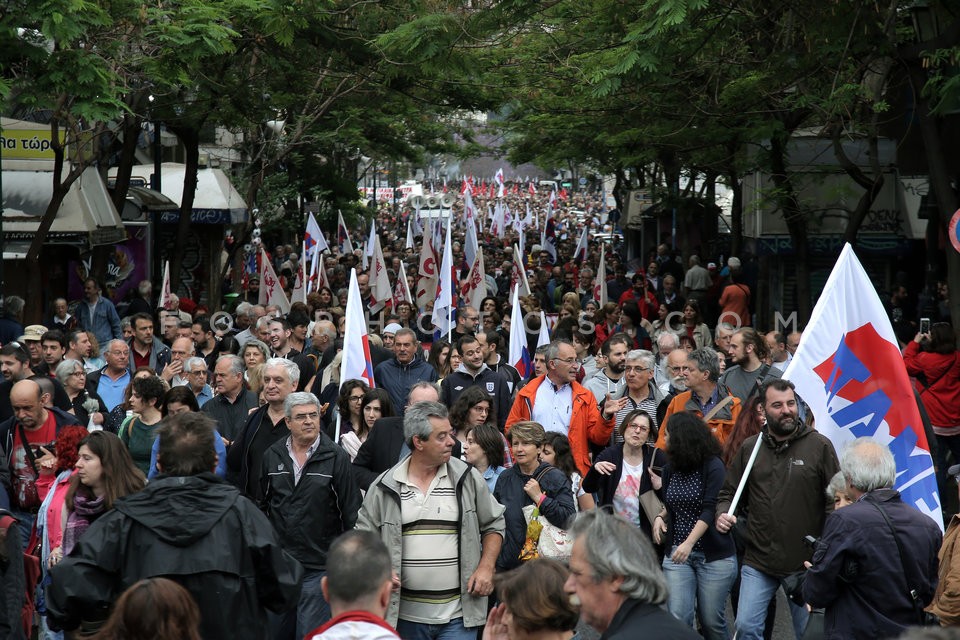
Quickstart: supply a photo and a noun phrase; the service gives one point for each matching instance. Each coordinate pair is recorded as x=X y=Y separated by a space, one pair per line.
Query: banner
x=849 y=370
x=270 y=290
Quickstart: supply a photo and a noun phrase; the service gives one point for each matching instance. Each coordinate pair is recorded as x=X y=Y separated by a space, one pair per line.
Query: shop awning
x=215 y=202
x=86 y=217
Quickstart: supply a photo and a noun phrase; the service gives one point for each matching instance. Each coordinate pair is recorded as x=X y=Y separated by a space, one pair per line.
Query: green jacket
x=480 y=514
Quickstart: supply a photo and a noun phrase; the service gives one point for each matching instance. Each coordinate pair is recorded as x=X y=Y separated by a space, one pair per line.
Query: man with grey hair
x=617 y=582
x=195 y=369
x=705 y=396
x=641 y=392
x=667 y=343
x=385 y=445
x=399 y=373
x=445 y=572
x=265 y=426
x=875 y=566
x=722 y=336
x=311 y=498
x=233 y=402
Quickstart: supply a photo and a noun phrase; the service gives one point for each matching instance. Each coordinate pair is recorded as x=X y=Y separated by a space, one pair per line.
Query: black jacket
x=606 y=486
x=381 y=450
x=195 y=530
x=308 y=515
x=558 y=507
x=495 y=384
x=241 y=470
x=857 y=573
x=635 y=619
x=12 y=579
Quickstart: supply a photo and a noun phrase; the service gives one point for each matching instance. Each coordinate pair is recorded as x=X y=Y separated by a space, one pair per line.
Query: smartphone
x=924 y=325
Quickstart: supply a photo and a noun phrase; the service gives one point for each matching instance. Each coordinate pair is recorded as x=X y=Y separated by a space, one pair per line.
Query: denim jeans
x=312 y=610
x=756 y=590
x=701 y=585
x=453 y=630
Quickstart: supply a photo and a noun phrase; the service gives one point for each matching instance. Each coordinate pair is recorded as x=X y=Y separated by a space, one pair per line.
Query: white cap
x=392 y=328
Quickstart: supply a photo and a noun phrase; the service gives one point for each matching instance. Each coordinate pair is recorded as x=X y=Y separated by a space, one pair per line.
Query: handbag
x=544 y=539
x=650 y=502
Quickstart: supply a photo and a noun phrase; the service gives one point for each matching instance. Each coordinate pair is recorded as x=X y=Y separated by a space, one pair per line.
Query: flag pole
x=746 y=475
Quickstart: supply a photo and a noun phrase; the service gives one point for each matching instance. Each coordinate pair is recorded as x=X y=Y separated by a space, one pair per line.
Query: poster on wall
x=127 y=265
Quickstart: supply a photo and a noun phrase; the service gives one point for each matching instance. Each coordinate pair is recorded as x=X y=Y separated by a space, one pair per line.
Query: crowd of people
x=236 y=479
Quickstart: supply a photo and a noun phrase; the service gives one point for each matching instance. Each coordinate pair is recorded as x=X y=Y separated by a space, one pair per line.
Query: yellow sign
x=27 y=144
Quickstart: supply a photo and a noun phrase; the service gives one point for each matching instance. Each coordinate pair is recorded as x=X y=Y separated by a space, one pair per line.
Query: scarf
x=85 y=512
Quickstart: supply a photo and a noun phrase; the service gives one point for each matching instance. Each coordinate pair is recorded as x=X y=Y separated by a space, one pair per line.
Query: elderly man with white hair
x=196 y=372
x=667 y=342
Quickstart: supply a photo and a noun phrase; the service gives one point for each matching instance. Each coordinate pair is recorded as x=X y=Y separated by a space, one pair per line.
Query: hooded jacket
x=784 y=499
x=397 y=379
x=195 y=530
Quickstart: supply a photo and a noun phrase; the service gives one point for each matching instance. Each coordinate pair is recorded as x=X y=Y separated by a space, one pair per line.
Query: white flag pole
x=746 y=475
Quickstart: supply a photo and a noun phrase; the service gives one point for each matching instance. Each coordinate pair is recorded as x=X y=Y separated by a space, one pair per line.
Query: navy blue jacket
x=397 y=379
x=857 y=574
x=716 y=545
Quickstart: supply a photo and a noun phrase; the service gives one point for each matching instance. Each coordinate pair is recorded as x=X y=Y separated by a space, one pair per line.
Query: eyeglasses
x=78 y=373
x=635 y=369
x=202 y=371
x=567 y=360
x=637 y=427
x=303 y=417
x=356 y=398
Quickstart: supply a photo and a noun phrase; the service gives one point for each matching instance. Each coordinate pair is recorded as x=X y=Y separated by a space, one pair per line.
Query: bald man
x=28 y=437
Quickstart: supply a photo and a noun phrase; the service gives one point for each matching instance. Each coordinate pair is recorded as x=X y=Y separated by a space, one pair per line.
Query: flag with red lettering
x=165 y=287
x=343 y=235
x=445 y=299
x=600 y=282
x=356 y=363
x=499 y=180
x=299 y=291
x=270 y=290
x=401 y=290
x=533 y=190
x=581 y=251
x=849 y=370
x=475 y=287
x=519 y=352
x=471 y=245
x=380 y=291
x=427 y=282
x=519 y=274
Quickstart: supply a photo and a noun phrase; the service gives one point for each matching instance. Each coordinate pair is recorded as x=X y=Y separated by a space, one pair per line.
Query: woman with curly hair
x=700 y=564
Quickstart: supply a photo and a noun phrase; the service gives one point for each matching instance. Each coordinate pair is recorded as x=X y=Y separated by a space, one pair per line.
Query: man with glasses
x=181 y=349
x=559 y=403
x=640 y=391
x=310 y=496
x=473 y=371
x=233 y=402
x=705 y=396
x=195 y=369
x=467 y=320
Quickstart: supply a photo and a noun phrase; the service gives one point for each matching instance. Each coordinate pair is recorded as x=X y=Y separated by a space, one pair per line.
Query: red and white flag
x=165 y=287
x=519 y=275
x=600 y=281
x=519 y=351
x=581 y=251
x=475 y=287
x=401 y=290
x=499 y=180
x=343 y=235
x=849 y=370
x=380 y=291
x=271 y=293
x=445 y=299
x=427 y=282
x=299 y=291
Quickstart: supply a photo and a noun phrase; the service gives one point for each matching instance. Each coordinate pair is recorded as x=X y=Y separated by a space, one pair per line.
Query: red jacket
x=941 y=394
x=586 y=422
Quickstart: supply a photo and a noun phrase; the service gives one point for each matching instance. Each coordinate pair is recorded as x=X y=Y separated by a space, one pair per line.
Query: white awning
x=86 y=216
x=215 y=202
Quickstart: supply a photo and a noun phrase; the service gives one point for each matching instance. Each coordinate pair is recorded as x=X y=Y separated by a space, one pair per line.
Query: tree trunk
x=190 y=138
x=33 y=311
x=796 y=221
x=872 y=185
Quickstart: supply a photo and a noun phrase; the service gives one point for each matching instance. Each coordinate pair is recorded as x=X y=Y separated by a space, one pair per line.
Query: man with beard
x=705 y=396
x=675 y=381
x=785 y=497
x=748 y=353
x=610 y=378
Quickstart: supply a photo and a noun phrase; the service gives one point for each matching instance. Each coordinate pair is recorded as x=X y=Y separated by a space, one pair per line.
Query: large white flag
x=471 y=245
x=519 y=275
x=368 y=252
x=544 y=335
x=409 y=244
x=299 y=291
x=380 y=292
x=849 y=370
x=580 y=253
x=475 y=288
x=427 y=280
x=357 y=363
x=519 y=351
x=401 y=290
x=444 y=305
x=313 y=241
x=343 y=235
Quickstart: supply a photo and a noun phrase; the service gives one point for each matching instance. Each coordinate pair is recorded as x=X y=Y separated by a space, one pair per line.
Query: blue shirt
x=205 y=394
x=111 y=391
x=218 y=446
x=491 y=475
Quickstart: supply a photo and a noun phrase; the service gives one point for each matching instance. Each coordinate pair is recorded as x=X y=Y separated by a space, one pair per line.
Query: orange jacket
x=586 y=422
x=720 y=424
